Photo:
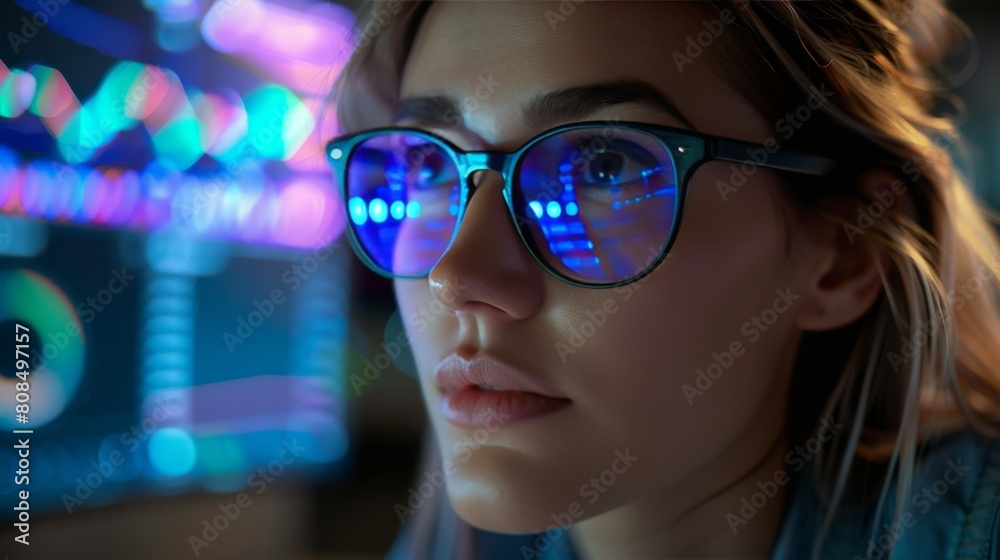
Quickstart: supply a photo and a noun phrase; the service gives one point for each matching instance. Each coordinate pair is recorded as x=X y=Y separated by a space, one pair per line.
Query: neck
x=702 y=516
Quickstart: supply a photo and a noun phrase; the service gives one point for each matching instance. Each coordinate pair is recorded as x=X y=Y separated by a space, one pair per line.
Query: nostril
x=475 y=178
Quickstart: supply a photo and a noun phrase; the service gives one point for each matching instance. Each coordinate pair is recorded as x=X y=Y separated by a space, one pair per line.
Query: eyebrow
x=545 y=110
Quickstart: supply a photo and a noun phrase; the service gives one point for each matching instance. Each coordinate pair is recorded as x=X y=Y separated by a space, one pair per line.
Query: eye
x=606 y=167
x=616 y=163
x=427 y=166
x=431 y=164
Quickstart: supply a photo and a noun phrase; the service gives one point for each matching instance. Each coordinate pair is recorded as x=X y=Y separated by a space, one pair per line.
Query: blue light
x=554 y=210
x=536 y=208
x=453 y=209
x=172 y=451
x=397 y=209
x=412 y=209
x=616 y=205
x=359 y=211
x=571 y=209
x=378 y=210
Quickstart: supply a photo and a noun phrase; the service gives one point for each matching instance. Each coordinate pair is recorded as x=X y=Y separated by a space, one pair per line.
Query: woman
x=807 y=367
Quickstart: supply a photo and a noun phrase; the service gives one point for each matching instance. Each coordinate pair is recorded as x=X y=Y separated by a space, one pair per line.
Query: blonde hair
x=925 y=360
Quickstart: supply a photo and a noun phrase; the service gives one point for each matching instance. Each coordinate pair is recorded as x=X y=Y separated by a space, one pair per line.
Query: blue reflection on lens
x=397 y=210
x=412 y=209
x=359 y=212
x=536 y=208
x=553 y=209
x=453 y=209
x=571 y=209
x=377 y=208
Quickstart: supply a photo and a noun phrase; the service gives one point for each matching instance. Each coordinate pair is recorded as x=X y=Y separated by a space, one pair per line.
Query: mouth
x=483 y=392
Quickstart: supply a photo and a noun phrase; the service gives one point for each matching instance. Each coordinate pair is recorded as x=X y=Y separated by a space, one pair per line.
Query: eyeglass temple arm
x=774 y=158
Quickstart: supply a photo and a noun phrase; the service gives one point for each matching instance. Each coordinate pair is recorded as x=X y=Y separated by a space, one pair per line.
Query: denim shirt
x=952 y=512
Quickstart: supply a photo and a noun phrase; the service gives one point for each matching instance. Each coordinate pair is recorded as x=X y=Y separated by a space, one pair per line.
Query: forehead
x=494 y=56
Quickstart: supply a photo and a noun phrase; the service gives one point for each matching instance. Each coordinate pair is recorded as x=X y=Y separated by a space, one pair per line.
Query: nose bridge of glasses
x=486 y=161
x=477 y=163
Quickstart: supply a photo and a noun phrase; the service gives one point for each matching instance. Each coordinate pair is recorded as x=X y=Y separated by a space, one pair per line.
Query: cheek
x=690 y=353
x=423 y=316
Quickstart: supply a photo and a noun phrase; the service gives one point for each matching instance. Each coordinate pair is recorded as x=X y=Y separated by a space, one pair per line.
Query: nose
x=487 y=270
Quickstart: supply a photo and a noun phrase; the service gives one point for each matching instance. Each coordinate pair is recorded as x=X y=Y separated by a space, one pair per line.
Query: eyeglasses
x=597 y=204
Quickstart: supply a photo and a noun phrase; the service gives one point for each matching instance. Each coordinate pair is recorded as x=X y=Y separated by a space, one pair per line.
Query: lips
x=483 y=392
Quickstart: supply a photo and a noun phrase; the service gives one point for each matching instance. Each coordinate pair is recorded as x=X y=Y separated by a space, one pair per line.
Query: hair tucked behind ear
x=925 y=360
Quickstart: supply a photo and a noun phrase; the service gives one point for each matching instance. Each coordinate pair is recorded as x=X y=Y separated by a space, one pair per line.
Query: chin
x=491 y=492
x=498 y=514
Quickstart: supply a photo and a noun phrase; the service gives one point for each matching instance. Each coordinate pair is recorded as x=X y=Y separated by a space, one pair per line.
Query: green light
x=109 y=105
x=178 y=143
x=278 y=123
x=16 y=93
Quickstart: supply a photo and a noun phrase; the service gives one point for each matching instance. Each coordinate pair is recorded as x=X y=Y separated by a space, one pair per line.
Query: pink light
x=112 y=197
x=93 y=201
x=54 y=100
x=148 y=92
x=54 y=96
x=303 y=51
x=125 y=212
x=228 y=26
x=164 y=96
x=223 y=120
x=306 y=211
x=9 y=174
x=311 y=155
x=13 y=204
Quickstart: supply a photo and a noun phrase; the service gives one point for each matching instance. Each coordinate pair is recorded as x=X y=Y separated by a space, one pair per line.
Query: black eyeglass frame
x=688 y=149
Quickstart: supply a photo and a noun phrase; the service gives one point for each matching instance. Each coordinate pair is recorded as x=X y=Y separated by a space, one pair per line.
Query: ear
x=843 y=282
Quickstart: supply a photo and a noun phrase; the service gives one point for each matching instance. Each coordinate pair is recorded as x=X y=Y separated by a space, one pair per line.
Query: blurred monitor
x=170 y=239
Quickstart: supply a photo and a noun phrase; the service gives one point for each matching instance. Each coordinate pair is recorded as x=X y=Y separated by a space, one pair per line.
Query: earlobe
x=847 y=275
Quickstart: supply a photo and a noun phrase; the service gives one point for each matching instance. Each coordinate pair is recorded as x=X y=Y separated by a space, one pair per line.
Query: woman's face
x=635 y=417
